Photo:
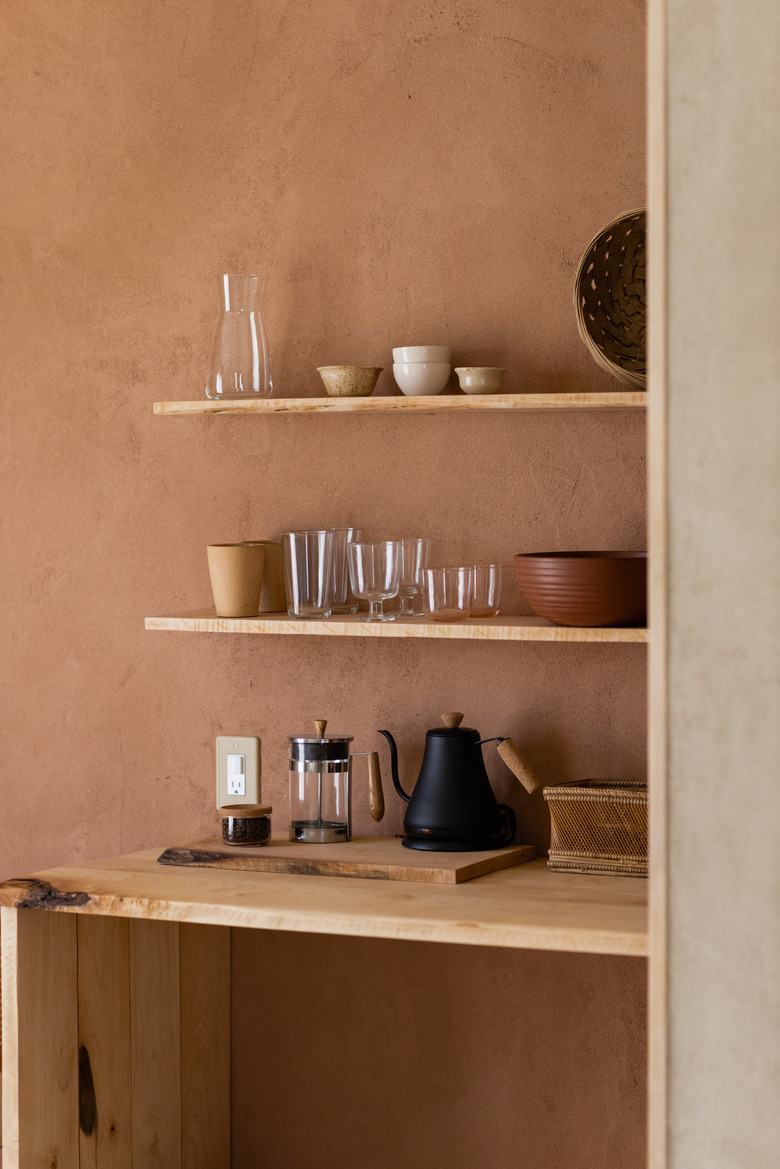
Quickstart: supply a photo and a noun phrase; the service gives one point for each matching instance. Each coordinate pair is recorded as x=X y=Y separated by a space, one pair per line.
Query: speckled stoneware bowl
x=480 y=379
x=349 y=381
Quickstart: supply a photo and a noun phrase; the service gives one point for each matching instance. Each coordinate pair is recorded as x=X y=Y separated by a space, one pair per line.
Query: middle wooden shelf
x=488 y=629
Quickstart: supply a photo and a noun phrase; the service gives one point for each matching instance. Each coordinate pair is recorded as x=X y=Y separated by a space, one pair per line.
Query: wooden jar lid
x=245 y=811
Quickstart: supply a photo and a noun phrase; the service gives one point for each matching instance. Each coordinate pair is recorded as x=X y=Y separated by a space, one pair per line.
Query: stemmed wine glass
x=375 y=572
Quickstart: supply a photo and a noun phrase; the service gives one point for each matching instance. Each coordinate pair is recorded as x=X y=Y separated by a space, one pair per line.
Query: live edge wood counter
x=525 y=908
x=116 y=986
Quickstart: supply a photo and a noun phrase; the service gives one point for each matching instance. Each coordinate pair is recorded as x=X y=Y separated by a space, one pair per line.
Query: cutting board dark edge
x=215 y=854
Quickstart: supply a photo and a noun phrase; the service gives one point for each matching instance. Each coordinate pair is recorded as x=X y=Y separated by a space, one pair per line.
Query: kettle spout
x=394 y=766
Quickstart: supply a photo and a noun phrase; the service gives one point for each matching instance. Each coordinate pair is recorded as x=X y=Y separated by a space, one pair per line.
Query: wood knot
x=87 y=1097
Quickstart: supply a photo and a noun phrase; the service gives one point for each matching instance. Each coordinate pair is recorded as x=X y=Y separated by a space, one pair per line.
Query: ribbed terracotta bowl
x=585 y=588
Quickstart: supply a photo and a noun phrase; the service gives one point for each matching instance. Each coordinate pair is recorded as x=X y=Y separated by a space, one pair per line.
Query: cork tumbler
x=236 y=572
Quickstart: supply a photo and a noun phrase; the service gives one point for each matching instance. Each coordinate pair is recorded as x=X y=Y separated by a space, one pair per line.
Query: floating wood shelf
x=526 y=907
x=437 y=404
x=491 y=629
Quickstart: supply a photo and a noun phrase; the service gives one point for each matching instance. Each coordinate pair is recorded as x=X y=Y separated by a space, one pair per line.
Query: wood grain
x=491 y=629
x=437 y=404
x=376 y=795
x=105 y=1128
x=375 y=858
x=205 y=1047
x=155 y=1044
x=657 y=580
x=40 y=1041
x=525 y=907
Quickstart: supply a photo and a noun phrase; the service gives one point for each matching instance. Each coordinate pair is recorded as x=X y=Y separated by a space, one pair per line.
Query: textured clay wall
x=405 y=173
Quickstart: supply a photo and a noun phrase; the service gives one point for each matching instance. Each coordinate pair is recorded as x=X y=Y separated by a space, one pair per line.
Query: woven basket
x=599 y=826
x=609 y=299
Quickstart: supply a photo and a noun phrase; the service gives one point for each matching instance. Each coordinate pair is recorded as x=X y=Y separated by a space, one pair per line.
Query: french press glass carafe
x=321 y=787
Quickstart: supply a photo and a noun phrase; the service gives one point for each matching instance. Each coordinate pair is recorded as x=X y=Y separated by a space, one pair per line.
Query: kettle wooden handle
x=376 y=796
x=517 y=765
x=452 y=720
x=319 y=726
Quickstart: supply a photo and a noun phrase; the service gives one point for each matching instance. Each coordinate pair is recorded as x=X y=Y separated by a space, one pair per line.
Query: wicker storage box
x=599 y=826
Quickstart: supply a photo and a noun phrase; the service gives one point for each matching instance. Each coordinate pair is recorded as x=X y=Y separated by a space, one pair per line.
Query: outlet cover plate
x=249 y=747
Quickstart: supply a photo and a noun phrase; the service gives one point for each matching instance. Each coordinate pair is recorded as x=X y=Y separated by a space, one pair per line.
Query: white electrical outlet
x=238 y=770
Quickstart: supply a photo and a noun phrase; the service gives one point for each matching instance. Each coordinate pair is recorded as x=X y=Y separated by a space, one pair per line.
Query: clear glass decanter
x=239 y=359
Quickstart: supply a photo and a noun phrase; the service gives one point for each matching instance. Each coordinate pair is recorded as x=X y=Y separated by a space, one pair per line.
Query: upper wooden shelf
x=490 y=629
x=527 y=907
x=437 y=404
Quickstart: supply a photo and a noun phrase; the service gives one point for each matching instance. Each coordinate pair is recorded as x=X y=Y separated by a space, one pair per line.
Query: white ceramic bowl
x=419 y=353
x=421 y=377
x=480 y=379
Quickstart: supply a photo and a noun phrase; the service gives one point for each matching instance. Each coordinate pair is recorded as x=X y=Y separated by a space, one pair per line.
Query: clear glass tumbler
x=308 y=573
x=447 y=593
x=344 y=600
x=239 y=358
x=375 y=570
x=488 y=582
x=414 y=558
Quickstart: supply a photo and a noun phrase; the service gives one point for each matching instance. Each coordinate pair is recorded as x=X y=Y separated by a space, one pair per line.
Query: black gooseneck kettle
x=452 y=807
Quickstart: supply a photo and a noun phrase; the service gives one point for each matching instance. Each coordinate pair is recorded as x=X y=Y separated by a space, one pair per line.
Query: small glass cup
x=447 y=593
x=414 y=558
x=308 y=573
x=486 y=598
x=344 y=600
x=374 y=571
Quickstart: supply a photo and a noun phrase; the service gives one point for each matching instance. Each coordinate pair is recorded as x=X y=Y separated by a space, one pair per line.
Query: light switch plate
x=229 y=777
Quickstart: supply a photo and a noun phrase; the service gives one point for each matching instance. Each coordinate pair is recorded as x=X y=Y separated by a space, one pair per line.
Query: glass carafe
x=239 y=359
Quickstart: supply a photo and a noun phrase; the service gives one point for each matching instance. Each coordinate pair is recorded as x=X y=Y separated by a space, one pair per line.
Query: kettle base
x=452 y=845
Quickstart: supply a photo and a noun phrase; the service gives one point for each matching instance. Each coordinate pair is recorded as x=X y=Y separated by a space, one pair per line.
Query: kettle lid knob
x=452 y=720
x=319 y=726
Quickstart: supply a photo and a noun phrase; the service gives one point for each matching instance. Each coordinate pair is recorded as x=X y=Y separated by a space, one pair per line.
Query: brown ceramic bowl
x=585 y=588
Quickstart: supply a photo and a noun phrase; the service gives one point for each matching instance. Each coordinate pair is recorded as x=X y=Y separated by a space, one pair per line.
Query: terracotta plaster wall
x=404 y=172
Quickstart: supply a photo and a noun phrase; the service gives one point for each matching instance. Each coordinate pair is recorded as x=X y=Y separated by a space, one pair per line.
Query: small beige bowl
x=480 y=379
x=349 y=381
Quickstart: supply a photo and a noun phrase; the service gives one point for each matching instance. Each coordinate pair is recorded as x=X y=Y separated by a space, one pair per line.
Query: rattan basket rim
x=635 y=800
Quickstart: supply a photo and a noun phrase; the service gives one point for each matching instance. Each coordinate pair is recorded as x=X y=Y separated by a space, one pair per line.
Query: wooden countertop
x=528 y=907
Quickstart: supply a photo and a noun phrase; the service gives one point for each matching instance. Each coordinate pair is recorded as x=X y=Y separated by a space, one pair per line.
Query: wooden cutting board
x=377 y=858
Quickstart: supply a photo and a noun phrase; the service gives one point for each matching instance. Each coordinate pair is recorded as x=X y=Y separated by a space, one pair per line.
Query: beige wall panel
x=723 y=647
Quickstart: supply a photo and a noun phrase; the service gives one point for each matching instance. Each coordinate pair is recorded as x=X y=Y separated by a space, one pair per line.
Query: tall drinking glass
x=375 y=570
x=447 y=593
x=344 y=600
x=414 y=558
x=308 y=573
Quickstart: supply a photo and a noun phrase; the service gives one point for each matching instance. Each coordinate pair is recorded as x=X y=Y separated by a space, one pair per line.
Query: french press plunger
x=321 y=786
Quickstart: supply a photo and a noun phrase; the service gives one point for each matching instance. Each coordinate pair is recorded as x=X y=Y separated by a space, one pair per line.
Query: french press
x=321 y=786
